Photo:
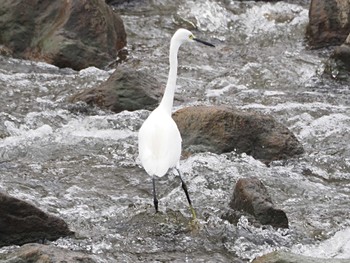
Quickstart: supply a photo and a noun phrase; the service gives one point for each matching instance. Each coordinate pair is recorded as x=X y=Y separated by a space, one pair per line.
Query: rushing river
x=80 y=163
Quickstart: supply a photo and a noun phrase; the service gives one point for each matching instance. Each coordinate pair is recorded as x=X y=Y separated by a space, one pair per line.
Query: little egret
x=159 y=138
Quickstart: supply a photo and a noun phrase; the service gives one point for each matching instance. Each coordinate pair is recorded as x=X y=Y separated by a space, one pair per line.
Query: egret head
x=183 y=35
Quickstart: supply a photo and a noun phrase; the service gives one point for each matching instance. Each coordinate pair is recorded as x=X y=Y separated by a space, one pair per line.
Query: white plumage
x=159 y=143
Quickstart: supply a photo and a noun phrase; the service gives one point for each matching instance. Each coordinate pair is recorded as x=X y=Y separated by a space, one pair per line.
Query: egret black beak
x=203 y=42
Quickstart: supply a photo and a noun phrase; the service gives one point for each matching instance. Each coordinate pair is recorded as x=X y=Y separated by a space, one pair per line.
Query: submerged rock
x=251 y=196
x=45 y=254
x=288 y=257
x=75 y=34
x=21 y=222
x=126 y=89
x=220 y=129
x=329 y=22
x=150 y=224
x=342 y=54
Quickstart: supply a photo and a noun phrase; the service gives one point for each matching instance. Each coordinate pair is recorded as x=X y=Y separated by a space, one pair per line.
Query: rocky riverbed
x=78 y=162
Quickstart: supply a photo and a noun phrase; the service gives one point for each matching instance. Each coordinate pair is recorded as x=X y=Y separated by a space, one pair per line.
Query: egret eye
x=191 y=37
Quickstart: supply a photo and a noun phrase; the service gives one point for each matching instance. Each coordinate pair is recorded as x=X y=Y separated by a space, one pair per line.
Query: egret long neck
x=168 y=97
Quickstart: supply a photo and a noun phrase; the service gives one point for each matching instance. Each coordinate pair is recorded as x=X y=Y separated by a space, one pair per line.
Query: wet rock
x=220 y=129
x=45 y=254
x=21 y=222
x=329 y=22
x=75 y=34
x=3 y=133
x=251 y=196
x=342 y=54
x=126 y=89
x=117 y=2
x=167 y=231
x=5 y=51
x=287 y=257
x=161 y=224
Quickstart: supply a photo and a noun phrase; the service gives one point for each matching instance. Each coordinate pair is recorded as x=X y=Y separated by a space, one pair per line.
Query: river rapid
x=80 y=163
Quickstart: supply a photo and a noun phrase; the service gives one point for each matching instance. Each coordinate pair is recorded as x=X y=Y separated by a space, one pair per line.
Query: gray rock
x=126 y=89
x=287 y=257
x=75 y=34
x=21 y=222
x=342 y=54
x=251 y=196
x=329 y=22
x=45 y=254
x=220 y=129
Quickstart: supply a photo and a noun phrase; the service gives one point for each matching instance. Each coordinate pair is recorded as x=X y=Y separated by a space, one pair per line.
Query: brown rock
x=126 y=89
x=342 y=54
x=329 y=22
x=75 y=34
x=219 y=130
x=21 y=222
x=251 y=196
x=45 y=254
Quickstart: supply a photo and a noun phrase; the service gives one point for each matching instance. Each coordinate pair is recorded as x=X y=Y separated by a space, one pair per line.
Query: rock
x=329 y=22
x=44 y=254
x=5 y=51
x=220 y=129
x=251 y=196
x=126 y=89
x=75 y=34
x=21 y=222
x=342 y=54
x=288 y=257
x=117 y=2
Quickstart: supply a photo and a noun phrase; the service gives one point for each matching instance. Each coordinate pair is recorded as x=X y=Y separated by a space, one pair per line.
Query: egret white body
x=159 y=143
x=159 y=137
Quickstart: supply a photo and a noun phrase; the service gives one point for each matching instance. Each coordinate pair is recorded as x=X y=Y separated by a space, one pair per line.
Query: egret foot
x=194 y=216
x=194 y=223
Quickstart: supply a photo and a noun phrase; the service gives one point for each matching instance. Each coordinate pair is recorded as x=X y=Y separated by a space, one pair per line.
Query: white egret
x=159 y=138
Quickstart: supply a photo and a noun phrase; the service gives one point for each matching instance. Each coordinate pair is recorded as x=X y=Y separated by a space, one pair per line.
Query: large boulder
x=329 y=22
x=21 y=222
x=220 y=129
x=72 y=33
x=126 y=89
x=45 y=254
x=251 y=196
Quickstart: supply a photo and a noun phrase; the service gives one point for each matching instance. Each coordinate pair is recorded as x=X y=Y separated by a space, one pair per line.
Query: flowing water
x=80 y=163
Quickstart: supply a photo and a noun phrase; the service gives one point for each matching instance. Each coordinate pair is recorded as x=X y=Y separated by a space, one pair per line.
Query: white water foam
x=337 y=246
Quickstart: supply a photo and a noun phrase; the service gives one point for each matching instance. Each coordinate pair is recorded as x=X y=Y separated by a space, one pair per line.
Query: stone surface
x=21 y=222
x=220 y=129
x=251 y=196
x=342 y=54
x=126 y=89
x=38 y=253
x=75 y=34
x=329 y=22
x=287 y=257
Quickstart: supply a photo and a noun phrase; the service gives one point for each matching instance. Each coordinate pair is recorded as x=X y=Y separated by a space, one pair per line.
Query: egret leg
x=155 y=200
x=184 y=187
